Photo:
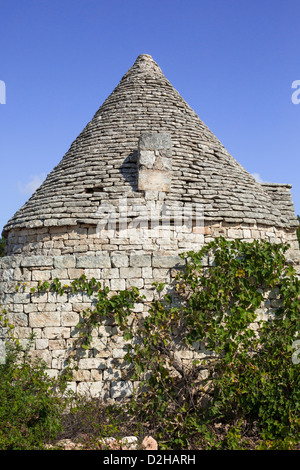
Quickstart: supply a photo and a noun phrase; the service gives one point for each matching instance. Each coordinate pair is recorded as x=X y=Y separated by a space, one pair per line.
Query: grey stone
x=99 y=261
x=155 y=141
x=37 y=261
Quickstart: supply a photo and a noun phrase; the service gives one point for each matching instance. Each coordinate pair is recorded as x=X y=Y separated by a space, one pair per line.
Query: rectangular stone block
x=121 y=389
x=155 y=141
x=140 y=261
x=21 y=298
x=130 y=273
x=154 y=180
x=91 y=363
x=147 y=273
x=41 y=275
x=111 y=273
x=44 y=319
x=37 y=261
x=41 y=343
x=57 y=344
x=59 y=273
x=92 y=389
x=117 y=284
x=139 y=283
x=99 y=261
x=119 y=261
x=167 y=261
x=56 y=332
x=92 y=273
x=69 y=319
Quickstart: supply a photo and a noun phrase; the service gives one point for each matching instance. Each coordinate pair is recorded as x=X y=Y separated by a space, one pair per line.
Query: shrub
x=248 y=378
x=31 y=403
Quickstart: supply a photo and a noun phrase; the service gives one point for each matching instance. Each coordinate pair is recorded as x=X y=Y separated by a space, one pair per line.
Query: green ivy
x=250 y=376
x=244 y=379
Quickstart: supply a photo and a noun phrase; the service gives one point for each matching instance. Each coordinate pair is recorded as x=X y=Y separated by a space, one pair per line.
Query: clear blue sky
x=233 y=61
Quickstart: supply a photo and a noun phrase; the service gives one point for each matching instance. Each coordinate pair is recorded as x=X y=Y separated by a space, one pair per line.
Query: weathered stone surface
x=99 y=261
x=167 y=261
x=44 y=319
x=140 y=261
x=149 y=443
x=154 y=180
x=155 y=141
x=120 y=261
x=64 y=262
x=34 y=261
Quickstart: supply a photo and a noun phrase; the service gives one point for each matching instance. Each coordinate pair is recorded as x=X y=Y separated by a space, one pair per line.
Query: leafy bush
x=243 y=389
x=247 y=378
x=31 y=403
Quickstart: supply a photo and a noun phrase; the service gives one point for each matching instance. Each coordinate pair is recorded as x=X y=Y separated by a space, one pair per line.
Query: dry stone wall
x=53 y=318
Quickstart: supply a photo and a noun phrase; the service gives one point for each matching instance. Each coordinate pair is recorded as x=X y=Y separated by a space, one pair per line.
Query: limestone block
x=69 y=318
x=147 y=273
x=110 y=273
x=18 y=319
x=36 y=261
x=119 y=261
x=99 y=261
x=91 y=363
x=96 y=375
x=140 y=260
x=92 y=389
x=41 y=343
x=106 y=330
x=54 y=297
x=74 y=273
x=118 y=353
x=82 y=375
x=57 y=344
x=130 y=273
x=121 y=389
x=139 y=283
x=9 y=274
x=167 y=261
x=39 y=298
x=154 y=180
x=56 y=332
x=117 y=284
x=155 y=141
x=90 y=273
x=44 y=355
x=111 y=373
x=147 y=158
x=44 y=319
x=59 y=273
x=21 y=298
x=41 y=275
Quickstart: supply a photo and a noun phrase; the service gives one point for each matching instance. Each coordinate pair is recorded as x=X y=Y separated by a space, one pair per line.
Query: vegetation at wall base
x=248 y=380
x=31 y=403
x=243 y=390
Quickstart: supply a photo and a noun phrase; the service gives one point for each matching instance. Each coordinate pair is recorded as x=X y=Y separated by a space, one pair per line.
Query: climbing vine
x=216 y=346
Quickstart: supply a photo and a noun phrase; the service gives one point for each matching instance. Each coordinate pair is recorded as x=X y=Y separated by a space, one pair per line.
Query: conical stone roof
x=102 y=162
